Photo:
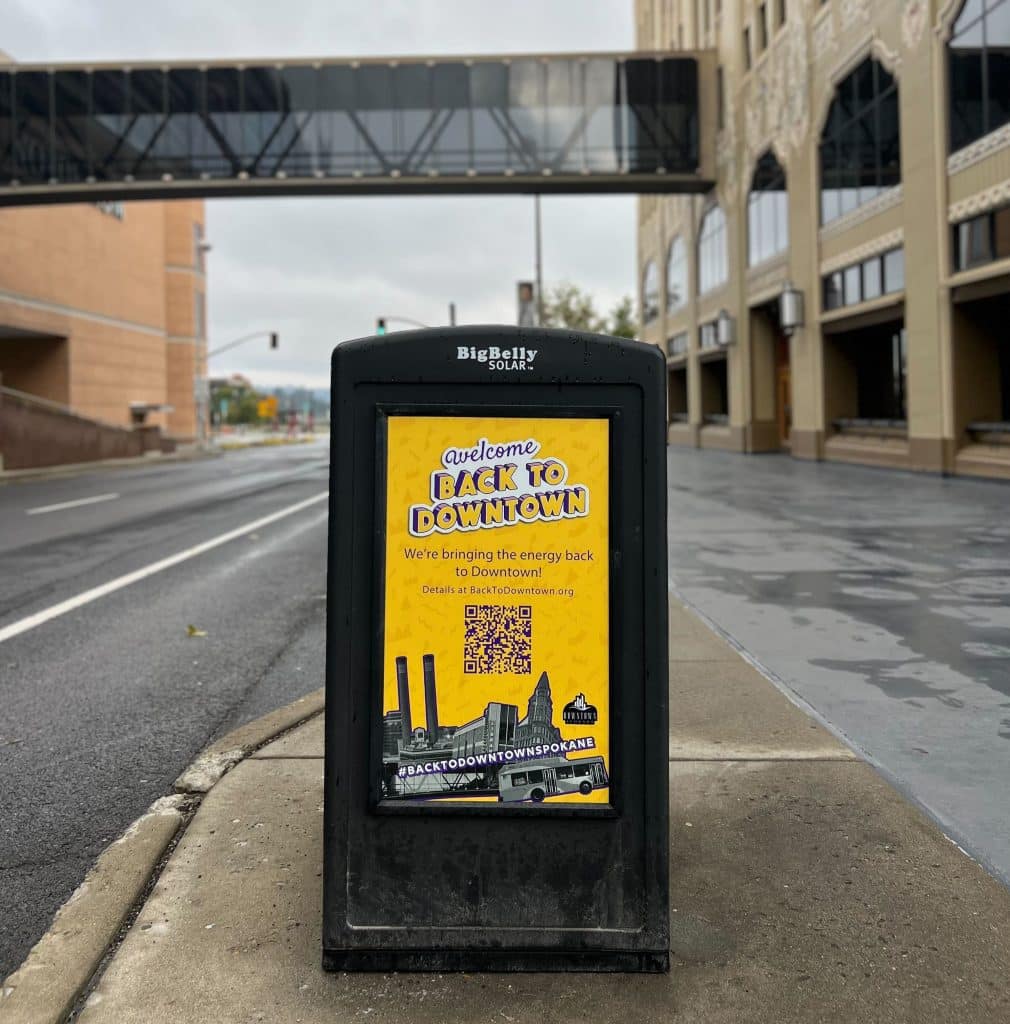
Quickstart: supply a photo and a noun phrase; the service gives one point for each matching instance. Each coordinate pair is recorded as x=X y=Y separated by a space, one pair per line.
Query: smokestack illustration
x=430 y=699
x=403 y=690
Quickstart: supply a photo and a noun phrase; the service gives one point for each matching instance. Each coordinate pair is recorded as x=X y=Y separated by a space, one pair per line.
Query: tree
x=566 y=305
x=622 y=319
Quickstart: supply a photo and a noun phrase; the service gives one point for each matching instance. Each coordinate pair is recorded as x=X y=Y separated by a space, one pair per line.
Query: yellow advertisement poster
x=496 y=644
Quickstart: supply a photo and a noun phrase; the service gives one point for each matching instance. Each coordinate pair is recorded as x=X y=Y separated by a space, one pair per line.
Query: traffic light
x=380 y=325
x=273 y=339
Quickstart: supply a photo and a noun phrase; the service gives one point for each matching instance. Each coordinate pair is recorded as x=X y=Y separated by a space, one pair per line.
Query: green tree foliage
x=622 y=319
x=242 y=404
x=567 y=305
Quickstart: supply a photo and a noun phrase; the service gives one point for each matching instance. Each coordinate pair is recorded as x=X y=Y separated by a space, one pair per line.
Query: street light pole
x=243 y=340
x=539 y=262
x=203 y=383
x=403 y=320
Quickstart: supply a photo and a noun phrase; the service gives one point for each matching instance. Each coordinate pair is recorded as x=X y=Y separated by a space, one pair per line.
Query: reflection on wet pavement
x=882 y=599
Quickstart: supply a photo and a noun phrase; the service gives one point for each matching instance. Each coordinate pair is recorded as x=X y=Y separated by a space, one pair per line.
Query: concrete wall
x=34 y=436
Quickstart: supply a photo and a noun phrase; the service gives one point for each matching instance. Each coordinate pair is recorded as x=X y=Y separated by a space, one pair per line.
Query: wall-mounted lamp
x=725 y=329
x=791 y=309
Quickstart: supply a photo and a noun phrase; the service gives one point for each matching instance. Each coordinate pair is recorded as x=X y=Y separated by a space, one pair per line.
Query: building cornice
x=978 y=150
x=882 y=243
x=987 y=199
x=767 y=275
x=885 y=201
x=80 y=314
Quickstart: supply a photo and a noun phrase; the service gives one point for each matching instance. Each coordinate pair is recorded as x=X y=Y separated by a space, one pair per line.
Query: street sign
x=496 y=736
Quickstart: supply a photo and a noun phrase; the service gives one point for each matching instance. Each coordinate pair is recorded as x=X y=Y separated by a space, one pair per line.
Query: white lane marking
x=54 y=611
x=69 y=504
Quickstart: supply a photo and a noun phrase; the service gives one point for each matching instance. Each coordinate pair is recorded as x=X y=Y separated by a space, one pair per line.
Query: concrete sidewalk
x=803 y=888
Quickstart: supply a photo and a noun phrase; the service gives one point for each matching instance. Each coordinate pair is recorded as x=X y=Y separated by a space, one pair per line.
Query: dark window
x=32 y=149
x=419 y=119
x=720 y=93
x=979 y=62
x=746 y=49
x=536 y=776
x=650 y=292
x=781 y=9
x=582 y=769
x=6 y=127
x=894 y=271
x=762 y=17
x=863 y=282
x=677 y=401
x=676 y=276
x=564 y=773
x=677 y=345
x=861 y=143
x=873 y=284
x=899 y=373
x=148 y=110
x=974 y=245
x=518 y=779
x=875 y=362
x=708 y=336
x=714 y=392
x=982 y=239
x=833 y=298
x=767 y=211
x=71 y=116
x=713 y=269
x=1001 y=233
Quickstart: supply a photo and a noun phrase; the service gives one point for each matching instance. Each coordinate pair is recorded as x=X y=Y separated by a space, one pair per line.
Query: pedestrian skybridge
x=570 y=123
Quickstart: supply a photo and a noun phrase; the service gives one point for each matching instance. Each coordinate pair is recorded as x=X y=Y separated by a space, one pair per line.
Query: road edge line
x=67 y=961
x=86 y=597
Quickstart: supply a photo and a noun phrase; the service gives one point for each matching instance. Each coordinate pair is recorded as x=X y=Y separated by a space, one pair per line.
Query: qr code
x=497 y=639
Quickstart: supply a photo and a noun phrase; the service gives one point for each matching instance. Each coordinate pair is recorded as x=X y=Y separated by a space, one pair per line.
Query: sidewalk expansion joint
x=289 y=757
x=730 y=759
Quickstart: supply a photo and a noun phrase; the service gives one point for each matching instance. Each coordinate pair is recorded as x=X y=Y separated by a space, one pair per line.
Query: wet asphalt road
x=102 y=707
x=880 y=599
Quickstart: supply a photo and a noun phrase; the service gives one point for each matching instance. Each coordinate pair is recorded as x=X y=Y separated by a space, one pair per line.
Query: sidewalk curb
x=59 y=968
x=220 y=757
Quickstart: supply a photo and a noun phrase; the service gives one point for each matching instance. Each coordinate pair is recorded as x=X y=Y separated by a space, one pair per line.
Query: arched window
x=676 y=276
x=861 y=143
x=713 y=268
x=650 y=292
x=979 y=71
x=767 y=211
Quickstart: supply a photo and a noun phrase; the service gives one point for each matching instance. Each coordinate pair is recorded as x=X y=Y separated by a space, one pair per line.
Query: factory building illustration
x=408 y=752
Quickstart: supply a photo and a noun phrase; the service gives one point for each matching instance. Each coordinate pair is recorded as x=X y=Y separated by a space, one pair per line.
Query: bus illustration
x=553 y=776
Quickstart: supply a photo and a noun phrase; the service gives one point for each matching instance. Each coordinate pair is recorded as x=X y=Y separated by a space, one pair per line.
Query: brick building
x=103 y=308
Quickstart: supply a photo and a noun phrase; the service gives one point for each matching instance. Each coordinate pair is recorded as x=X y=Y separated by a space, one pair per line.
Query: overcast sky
x=321 y=270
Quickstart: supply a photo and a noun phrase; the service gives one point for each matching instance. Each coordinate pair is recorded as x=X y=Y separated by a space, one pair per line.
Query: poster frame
x=384 y=410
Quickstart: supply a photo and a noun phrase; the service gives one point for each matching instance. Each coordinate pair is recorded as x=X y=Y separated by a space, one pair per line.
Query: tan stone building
x=863 y=161
x=103 y=309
